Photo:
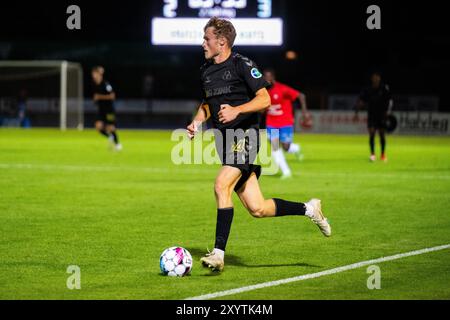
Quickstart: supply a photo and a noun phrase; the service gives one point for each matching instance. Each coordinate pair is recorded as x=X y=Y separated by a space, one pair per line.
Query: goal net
x=50 y=93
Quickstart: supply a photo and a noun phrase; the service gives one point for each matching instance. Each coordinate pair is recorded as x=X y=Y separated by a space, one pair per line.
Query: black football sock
x=372 y=143
x=103 y=132
x=223 y=226
x=383 y=143
x=116 y=138
x=289 y=208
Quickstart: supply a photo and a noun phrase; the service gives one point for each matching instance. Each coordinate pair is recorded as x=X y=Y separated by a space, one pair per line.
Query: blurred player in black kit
x=104 y=97
x=234 y=93
x=378 y=100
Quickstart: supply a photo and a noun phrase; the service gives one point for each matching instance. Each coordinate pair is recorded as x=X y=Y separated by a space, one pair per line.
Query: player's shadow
x=233 y=260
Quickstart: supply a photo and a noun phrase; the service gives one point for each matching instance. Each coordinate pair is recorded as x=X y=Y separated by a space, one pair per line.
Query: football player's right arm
x=359 y=104
x=110 y=96
x=202 y=115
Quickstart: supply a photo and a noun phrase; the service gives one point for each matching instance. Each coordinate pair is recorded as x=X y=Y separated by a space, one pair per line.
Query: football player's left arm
x=260 y=102
x=389 y=98
x=304 y=106
x=391 y=105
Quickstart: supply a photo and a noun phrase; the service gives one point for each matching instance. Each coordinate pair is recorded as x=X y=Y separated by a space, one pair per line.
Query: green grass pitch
x=65 y=199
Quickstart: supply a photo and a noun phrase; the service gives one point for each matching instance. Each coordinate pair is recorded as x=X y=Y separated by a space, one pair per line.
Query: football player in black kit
x=104 y=97
x=234 y=94
x=379 y=104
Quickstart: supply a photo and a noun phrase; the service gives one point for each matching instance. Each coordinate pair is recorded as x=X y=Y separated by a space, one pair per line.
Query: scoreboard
x=181 y=22
x=222 y=8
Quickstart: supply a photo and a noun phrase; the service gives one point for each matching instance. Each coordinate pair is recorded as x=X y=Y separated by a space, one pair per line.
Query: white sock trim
x=309 y=210
x=219 y=252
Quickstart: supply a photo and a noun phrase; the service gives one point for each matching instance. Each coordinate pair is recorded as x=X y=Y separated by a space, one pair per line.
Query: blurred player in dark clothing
x=22 y=109
x=104 y=97
x=377 y=98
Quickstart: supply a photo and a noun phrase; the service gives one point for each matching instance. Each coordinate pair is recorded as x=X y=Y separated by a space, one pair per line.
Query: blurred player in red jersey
x=280 y=120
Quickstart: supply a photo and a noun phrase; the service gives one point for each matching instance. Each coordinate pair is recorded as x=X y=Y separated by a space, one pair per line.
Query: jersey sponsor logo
x=255 y=73
x=217 y=91
x=108 y=88
x=275 y=110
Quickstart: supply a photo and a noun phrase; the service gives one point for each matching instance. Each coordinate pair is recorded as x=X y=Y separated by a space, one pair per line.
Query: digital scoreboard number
x=221 y=8
x=181 y=22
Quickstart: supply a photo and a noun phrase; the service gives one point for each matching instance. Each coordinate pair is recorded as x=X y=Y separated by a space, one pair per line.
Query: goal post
x=47 y=79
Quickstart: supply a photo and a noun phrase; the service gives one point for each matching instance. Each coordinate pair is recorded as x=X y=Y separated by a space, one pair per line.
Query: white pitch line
x=317 y=274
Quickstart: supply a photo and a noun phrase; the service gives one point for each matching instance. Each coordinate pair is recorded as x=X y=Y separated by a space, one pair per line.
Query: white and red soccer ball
x=175 y=262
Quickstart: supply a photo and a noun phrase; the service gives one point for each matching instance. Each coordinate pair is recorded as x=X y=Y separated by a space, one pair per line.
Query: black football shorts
x=239 y=148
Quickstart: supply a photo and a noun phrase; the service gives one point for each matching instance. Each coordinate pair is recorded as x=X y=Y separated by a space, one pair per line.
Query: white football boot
x=214 y=261
x=118 y=147
x=318 y=217
x=285 y=176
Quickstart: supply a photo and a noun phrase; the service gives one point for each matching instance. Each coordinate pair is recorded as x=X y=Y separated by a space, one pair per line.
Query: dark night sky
x=336 y=50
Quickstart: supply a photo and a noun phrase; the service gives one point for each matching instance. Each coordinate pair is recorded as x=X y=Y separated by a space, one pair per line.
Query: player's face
x=97 y=77
x=376 y=79
x=269 y=77
x=212 y=46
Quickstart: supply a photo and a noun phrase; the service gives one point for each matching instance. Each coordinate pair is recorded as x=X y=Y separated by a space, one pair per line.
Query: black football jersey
x=234 y=81
x=104 y=88
x=377 y=100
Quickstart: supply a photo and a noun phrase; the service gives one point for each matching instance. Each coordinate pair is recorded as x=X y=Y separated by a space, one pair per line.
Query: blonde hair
x=222 y=28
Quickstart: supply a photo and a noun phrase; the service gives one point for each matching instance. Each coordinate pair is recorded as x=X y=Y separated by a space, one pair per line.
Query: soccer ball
x=175 y=262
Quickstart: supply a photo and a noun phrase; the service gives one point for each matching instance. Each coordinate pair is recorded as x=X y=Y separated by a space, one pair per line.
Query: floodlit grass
x=66 y=199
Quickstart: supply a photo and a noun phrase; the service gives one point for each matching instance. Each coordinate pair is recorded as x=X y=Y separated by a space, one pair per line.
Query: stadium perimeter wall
x=408 y=122
x=170 y=114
